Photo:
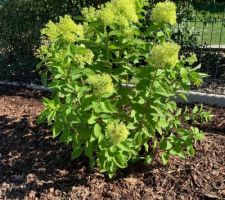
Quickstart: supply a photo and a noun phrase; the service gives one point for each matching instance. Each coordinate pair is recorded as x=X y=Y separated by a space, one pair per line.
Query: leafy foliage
x=199 y=115
x=113 y=86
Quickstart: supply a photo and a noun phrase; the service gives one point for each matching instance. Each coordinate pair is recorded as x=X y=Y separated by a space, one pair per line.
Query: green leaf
x=92 y=119
x=88 y=72
x=178 y=113
x=133 y=115
x=148 y=159
x=138 y=139
x=51 y=116
x=196 y=78
x=44 y=76
x=191 y=150
x=195 y=110
x=141 y=100
x=97 y=130
x=89 y=149
x=163 y=123
x=65 y=136
x=159 y=111
x=115 y=33
x=187 y=140
x=120 y=160
x=92 y=163
x=114 y=47
x=183 y=96
x=165 y=158
x=42 y=117
x=125 y=147
x=198 y=135
x=184 y=74
x=107 y=107
x=181 y=154
x=146 y=132
x=57 y=128
x=131 y=126
x=160 y=34
x=77 y=153
x=165 y=144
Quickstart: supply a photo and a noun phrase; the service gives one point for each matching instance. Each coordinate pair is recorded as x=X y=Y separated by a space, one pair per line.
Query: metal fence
x=210 y=27
x=203 y=32
x=211 y=41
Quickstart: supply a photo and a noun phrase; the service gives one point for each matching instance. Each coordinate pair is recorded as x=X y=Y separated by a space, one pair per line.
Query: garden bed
x=33 y=165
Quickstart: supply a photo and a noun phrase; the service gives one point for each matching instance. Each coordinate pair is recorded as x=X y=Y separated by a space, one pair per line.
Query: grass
x=210 y=34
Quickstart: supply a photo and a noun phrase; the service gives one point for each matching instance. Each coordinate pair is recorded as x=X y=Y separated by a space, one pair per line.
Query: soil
x=35 y=166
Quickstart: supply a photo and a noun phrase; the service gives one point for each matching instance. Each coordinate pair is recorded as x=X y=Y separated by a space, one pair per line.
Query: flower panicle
x=165 y=54
x=116 y=132
x=66 y=29
x=102 y=84
x=164 y=12
x=119 y=12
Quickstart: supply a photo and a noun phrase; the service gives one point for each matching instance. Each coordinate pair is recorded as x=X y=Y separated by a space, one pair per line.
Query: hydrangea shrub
x=114 y=85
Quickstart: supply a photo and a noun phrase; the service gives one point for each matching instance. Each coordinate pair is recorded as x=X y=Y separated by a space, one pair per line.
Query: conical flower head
x=66 y=29
x=102 y=85
x=126 y=8
x=115 y=12
x=164 y=12
x=85 y=58
x=165 y=54
x=90 y=14
x=117 y=133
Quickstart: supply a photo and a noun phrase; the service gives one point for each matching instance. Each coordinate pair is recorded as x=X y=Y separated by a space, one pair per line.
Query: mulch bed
x=34 y=166
x=212 y=86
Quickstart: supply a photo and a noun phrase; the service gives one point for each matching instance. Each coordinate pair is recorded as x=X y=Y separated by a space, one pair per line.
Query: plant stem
x=152 y=83
x=150 y=92
x=107 y=46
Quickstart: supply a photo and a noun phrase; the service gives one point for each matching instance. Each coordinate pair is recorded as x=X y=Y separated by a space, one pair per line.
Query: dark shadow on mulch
x=31 y=158
x=26 y=93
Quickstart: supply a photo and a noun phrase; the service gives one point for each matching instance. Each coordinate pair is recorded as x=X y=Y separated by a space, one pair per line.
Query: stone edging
x=193 y=97
x=25 y=85
x=209 y=99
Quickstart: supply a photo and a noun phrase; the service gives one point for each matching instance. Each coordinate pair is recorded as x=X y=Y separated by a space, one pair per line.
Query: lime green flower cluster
x=86 y=58
x=125 y=11
x=117 y=133
x=120 y=12
x=90 y=14
x=42 y=50
x=165 y=54
x=164 y=12
x=107 y=14
x=66 y=28
x=102 y=85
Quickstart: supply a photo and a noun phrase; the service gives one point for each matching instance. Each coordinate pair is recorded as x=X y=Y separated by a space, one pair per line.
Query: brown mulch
x=34 y=166
x=212 y=86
